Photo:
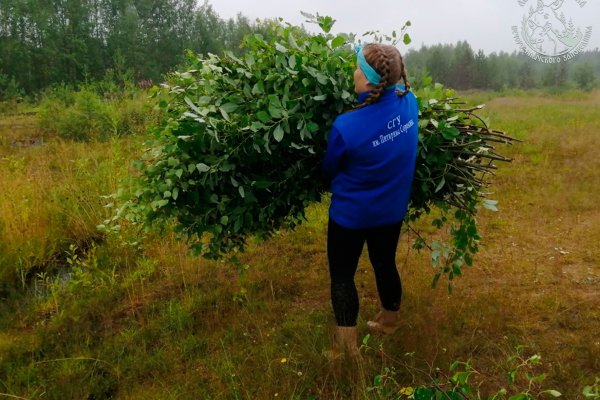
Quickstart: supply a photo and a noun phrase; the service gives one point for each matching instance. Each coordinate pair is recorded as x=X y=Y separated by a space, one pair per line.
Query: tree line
x=460 y=67
x=46 y=42
x=43 y=42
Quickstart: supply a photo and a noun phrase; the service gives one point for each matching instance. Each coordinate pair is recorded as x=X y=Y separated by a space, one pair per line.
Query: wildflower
x=407 y=391
x=283 y=360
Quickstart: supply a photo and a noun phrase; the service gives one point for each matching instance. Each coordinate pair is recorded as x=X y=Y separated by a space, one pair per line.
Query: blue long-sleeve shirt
x=370 y=161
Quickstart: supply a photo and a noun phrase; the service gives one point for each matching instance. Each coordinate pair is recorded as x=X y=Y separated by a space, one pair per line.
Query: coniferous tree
x=584 y=76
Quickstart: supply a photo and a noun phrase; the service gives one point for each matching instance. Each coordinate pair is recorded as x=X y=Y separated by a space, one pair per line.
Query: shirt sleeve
x=336 y=148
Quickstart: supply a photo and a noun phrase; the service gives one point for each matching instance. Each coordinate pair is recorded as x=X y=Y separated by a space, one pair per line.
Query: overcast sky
x=485 y=24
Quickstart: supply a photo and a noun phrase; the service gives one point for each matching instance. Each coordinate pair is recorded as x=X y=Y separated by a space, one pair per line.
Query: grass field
x=84 y=316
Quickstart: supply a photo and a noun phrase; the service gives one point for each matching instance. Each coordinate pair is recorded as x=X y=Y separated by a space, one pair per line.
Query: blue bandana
x=372 y=76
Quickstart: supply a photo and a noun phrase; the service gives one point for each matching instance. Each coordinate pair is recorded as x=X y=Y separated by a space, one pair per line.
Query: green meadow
x=85 y=315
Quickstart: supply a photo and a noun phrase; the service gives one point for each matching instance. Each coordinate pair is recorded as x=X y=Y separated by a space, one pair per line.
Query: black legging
x=344 y=247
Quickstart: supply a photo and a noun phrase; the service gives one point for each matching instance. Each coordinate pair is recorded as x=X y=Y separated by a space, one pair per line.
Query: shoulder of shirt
x=348 y=117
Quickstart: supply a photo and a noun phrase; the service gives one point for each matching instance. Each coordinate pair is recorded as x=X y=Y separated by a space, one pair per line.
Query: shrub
x=10 y=88
x=83 y=115
x=87 y=118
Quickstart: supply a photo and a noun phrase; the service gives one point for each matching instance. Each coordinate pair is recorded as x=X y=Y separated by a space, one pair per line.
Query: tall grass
x=50 y=197
x=52 y=184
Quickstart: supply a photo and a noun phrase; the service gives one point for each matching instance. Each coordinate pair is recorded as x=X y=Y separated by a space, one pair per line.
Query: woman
x=370 y=163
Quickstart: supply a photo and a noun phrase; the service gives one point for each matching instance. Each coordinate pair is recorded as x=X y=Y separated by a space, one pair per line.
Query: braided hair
x=388 y=63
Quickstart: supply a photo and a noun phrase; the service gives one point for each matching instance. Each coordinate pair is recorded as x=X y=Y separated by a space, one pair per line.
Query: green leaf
x=292 y=62
x=274 y=111
x=590 y=393
x=407 y=39
x=534 y=359
x=325 y=22
x=553 y=393
x=490 y=205
x=310 y=16
x=322 y=79
x=275 y=100
x=537 y=378
x=204 y=100
x=280 y=48
x=224 y=114
x=229 y=107
x=258 y=88
x=292 y=42
x=237 y=225
x=440 y=185
x=162 y=203
x=519 y=396
x=377 y=380
x=320 y=97
x=468 y=260
x=263 y=116
x=365 y=340
x=338 y=41
x=202 y=167
x=278 y=133
x=450 y=133
x=262 y=184
x=192 y=105
x=312 y=127
x=242 y=191
x=425 y=393
x=256 y=125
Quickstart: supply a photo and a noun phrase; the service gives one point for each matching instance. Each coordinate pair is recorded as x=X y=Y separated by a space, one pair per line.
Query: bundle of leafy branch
x=238 y=153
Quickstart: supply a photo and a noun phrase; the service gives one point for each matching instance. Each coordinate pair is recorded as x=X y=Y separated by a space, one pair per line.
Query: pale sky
x=485 y=24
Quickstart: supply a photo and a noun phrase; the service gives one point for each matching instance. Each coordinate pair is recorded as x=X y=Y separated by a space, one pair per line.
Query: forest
x=69 y=42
